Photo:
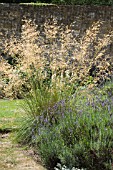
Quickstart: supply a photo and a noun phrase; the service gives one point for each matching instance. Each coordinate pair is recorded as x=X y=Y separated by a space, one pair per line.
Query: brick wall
x=11 y=16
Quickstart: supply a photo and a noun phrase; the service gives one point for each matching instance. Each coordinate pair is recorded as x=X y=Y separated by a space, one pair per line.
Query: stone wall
x=82 y=17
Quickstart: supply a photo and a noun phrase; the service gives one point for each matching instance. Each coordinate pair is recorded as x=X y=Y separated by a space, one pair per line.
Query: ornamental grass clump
x=59 y=55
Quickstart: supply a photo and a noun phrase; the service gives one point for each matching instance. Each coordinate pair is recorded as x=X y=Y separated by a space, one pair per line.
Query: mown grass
x=10 y=114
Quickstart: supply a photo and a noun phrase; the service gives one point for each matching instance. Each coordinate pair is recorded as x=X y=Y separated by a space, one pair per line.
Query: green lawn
x=11 y=113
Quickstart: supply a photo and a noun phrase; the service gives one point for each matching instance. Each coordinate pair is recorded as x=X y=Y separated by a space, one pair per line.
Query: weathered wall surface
x=11 y=16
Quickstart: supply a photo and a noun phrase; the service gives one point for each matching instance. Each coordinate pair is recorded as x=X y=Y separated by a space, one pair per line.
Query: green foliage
x=64 y=2
x=82 y=2
x=41 y=96
x=76 y=131
x=79 y=2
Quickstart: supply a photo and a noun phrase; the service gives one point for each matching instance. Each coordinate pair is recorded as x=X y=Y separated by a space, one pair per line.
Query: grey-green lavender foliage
x=75 y=131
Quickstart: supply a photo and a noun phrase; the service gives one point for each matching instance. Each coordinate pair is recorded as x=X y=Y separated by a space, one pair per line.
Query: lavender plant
x=75 y=132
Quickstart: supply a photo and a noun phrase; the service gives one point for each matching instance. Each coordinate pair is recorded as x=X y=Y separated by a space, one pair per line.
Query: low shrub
x=76 y=131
